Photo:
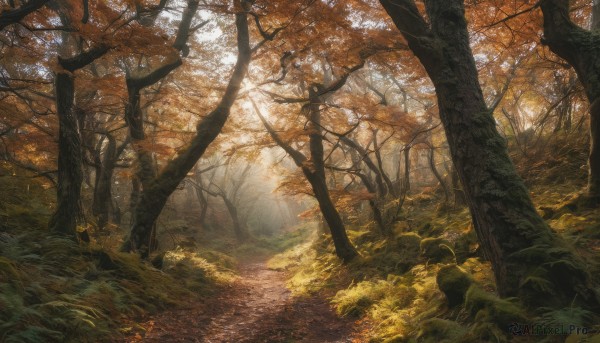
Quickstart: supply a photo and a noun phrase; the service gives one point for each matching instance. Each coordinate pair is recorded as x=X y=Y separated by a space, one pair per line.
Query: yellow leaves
x=347 y=201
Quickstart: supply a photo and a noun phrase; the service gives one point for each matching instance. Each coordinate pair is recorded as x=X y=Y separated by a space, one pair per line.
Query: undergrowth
x=54 y=290
x=395 y=284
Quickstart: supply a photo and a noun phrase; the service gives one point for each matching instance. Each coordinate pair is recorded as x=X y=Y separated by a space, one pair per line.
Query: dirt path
x=257 y=308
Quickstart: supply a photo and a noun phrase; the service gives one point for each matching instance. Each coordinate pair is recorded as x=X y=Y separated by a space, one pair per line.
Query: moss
x=438 y=330
x=397 y=339
x=409 y=242
x=8 y=271
x=70 y=294
x=466 y=246
x=355 y=301
x=437 y=250
x=454 y=282
x=501 y=312
x=428 y=230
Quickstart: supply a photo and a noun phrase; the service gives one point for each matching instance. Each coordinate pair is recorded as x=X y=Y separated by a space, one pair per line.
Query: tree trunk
x=134 y=116
x=437 y=174
x=240 y=230
x=203 y=207
x=519 y=244
x=343 y=247
x=102 y=206
x=315 y=175
x=70 y=169
x=457 y=190
x=581 y=49
x=154 y=197
x=384 y=229
x=406 y=181
x=70 y=174
x=136 y=189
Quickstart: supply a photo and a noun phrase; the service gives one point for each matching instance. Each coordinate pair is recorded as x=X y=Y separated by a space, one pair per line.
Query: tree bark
x=70 y=174
x=581 y=49
x=102 y=203
x=154 y=197
x=457 y=190
x=70 y=169
x=519 y=244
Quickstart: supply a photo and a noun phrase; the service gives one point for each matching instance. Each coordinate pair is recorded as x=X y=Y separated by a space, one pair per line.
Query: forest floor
x=257 y=307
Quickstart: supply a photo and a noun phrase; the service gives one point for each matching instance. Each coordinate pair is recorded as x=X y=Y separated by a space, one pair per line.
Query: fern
x=569 y=315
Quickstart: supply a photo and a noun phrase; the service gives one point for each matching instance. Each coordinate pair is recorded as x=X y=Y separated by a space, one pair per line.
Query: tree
x=70 y=174
x=230 y=191
x=519 y=244
x=580 y=48
x=155 y=194
x=313 y=168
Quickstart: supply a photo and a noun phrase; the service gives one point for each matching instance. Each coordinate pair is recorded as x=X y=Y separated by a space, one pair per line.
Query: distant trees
x=513 y=236
x=158 y=190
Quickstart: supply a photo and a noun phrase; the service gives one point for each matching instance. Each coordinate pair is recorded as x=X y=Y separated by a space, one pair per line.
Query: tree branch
x=15 y=15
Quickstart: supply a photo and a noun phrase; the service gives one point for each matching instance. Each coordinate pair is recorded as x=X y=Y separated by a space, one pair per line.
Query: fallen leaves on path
x=256 y=308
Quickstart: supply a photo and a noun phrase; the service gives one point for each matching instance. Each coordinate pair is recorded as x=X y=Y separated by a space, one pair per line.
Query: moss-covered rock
x=438 y=330
x=488 y=307
x=454 y=282
x=437 y=250
x=466 y=246
x=409 y=241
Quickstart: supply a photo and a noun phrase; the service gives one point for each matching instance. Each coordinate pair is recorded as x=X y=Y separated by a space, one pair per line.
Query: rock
x=454 y=282
x=437 y=250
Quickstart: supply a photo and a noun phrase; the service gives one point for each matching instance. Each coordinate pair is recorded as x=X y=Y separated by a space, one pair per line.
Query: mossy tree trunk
x=457 y=190
x=524 y=252
x=70 y=169
x=581 y=49
x=155 y=195
x=70 y=174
